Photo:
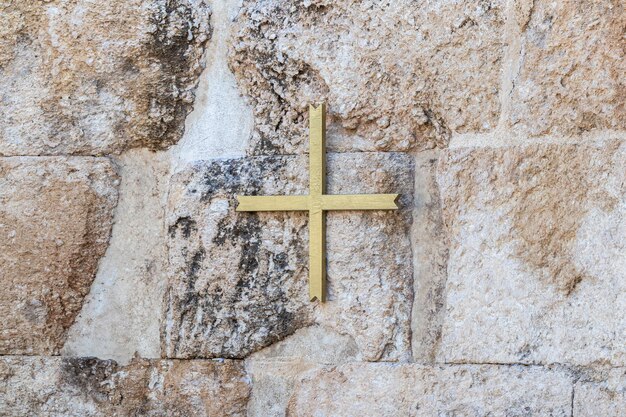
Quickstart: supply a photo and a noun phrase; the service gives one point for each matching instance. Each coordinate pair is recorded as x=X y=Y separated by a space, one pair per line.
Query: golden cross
x=317 y=202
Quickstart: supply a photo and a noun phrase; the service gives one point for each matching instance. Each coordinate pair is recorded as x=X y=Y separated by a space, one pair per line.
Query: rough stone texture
x=571 y=71
x=87 y=77
x=384 y=390
x=397 y=75
x=497 y=290
x=238 y=281
x=89 y=387
x=604 y=395
x=537 y=243
x=118 y=318
x=55 y=222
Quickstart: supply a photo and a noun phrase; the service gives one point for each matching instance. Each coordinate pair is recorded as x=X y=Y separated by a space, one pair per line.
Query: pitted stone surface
x=537 y=241
x=397 y=75
x=85 y=77
x=571 y=73
x=386 y=390
x=88 y=387
x=238 y=281
x=55 y=223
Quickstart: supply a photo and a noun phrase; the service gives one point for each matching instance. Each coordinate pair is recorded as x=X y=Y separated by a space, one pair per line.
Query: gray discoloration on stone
x=81 y=77
x=397 y=75
x=385 y=390
x=537 y=243
x=55 y=222
x=89 y=387
x=238 y=281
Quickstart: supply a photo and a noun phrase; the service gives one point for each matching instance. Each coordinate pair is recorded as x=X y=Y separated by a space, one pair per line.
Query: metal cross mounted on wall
x=317 y=202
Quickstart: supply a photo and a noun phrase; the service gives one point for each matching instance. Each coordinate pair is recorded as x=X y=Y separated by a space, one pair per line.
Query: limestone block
x=276 y=370
x=537 y=241
x=273 y=384
x=397 y=75
x=85 y=77
x=387 y=390
x=55 y=223
x=238 y=281
x=571 y=72
x=604 y=397
x=88 y=387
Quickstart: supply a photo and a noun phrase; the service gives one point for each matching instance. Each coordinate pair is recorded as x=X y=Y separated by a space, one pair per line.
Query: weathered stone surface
x=398 y=75
x=273 y=384
x=85 y=77
x=276 y=370
x=91 y=387
x=605 y=396
x=385 y=390
x=238 y=281
x=55 y=222
x=571 y=71
x=537 y=243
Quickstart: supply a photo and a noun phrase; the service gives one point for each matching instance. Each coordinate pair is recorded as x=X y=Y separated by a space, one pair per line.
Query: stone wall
x=130 y=286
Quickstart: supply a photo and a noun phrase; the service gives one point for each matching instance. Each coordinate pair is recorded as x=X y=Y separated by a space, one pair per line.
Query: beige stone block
x=55 y=223
x=387 y=390
x=537 y=242
x=238 y=281
x=397 y=75
x=86 y=387
x=571 y=71
x=84 y=77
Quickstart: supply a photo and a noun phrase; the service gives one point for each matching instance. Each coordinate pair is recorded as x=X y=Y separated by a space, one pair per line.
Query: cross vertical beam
x=317 y=188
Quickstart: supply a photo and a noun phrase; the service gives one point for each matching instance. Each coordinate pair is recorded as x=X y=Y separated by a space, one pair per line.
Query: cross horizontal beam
x=359 y=202
x=273 y=202
x=326 y=202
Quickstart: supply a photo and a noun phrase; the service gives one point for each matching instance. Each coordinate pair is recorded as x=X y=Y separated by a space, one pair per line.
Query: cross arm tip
x=396 y=197
x=242 y=204
x=318 y=297
x=320 y=106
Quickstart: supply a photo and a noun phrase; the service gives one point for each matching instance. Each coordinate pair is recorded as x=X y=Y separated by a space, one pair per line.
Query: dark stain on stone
x=250 y=306
x=195 y=264
x=186 y=224
x=90 y=376
x=171 y=47
x=238 y=176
